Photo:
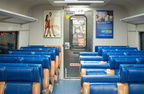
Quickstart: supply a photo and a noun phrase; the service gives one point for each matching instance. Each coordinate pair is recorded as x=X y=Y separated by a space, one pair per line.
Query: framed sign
x=52 y=23
x=104 y=24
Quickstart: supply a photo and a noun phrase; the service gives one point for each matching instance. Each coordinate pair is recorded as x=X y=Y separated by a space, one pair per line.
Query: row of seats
x=112 y=69
x=30 y=70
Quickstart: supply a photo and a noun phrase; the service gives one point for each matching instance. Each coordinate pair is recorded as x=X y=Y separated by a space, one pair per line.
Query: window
x=78 y=32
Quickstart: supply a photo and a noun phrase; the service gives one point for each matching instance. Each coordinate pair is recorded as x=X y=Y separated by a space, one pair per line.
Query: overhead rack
x=136 y=19
x=12 y=17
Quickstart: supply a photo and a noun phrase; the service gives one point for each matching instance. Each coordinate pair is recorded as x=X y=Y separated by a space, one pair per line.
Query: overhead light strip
x=78 y=2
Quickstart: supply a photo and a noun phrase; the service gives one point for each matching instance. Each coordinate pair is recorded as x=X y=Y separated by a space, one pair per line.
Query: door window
x=78 y=32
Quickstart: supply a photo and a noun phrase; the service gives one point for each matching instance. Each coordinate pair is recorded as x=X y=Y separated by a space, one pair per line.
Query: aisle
x=67 y=86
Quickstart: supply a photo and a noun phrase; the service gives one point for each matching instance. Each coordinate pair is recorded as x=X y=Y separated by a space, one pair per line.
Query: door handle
x=66 y=45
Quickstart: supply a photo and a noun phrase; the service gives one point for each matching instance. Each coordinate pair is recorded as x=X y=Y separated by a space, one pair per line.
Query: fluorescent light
x=78 y=6
x=78 y=1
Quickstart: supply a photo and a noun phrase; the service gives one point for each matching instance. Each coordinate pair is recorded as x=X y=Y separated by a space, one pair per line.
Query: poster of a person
x=104 y=16
x=52 y=27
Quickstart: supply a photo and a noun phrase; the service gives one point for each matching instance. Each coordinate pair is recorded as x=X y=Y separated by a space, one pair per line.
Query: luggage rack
x=12 y=17
x=136 y=19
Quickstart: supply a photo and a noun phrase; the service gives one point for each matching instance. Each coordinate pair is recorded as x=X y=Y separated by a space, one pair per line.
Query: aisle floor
x=67 y=86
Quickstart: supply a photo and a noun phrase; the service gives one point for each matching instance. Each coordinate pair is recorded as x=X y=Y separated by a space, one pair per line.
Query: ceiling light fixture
x=78 y=2
x=78 y=6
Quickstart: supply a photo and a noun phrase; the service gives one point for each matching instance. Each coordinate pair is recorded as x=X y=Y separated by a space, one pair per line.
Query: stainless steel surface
x=71 y=57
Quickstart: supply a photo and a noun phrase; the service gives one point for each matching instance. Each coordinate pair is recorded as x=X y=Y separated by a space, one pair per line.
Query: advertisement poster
x=104 y=24
x=52 y=24
x=79 y=31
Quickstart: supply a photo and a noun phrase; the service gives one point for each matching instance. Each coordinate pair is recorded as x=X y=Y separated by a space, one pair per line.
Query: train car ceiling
x=25 y=6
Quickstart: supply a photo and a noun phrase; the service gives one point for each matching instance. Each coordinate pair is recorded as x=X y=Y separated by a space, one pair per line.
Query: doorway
x=78 y=37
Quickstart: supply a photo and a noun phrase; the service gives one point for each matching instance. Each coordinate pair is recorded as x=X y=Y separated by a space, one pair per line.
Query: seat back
x=20 y=80
x=132 y=75
x=113 y=88
x=115 y=62
x=56 y=49
x=23 y=52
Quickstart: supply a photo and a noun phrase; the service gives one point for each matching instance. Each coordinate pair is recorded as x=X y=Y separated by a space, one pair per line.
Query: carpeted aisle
x=67 y=86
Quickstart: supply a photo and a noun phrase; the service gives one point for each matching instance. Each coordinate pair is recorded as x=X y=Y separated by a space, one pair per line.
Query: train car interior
x=71 y=46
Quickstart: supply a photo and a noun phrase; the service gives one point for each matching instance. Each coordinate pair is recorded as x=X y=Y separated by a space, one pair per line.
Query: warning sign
x=74 y=64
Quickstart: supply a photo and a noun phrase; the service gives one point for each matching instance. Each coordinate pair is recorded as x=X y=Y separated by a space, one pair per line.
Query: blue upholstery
x=88 y=53
x=113 y=63
x=132 y=75
x=106 y=54
x=100 y=47
x=23 y=65
x=100 y=78
x=96 y=72
x=18 y=87
x=19 y=74
x=127 y=74
x=100 y=51
x=126 y=56
x=103 y=88
x=128 y=65
x=21 y=55
x=91 y=55
x=95 y=65
x=112 y=88
x=19 y=80
x=56 y=49
x=51 y=53
x=26 y=65
x=91 y=62
x=117 y=50
x=136 y=88
x=91 y=58
x=135 y=52
x=45 y=61
x=132 y=65
x=99 y=71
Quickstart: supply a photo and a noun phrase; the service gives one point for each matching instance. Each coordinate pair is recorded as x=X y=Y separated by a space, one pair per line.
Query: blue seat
x=45 y=49
x=106 y=54
x=126 y=74
x=113 y=63
x=113 y=88
x=100 y=47
x=92 y=71
x=56 y=49
x=26 y=65
x=44 y=61
x=88 y=53
x=118 y=49
x=54 y=62
x=91 y=58
x=125 y=56
x=131 y=81
x=20 y=80
x=99 y=72
x=23 y=52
